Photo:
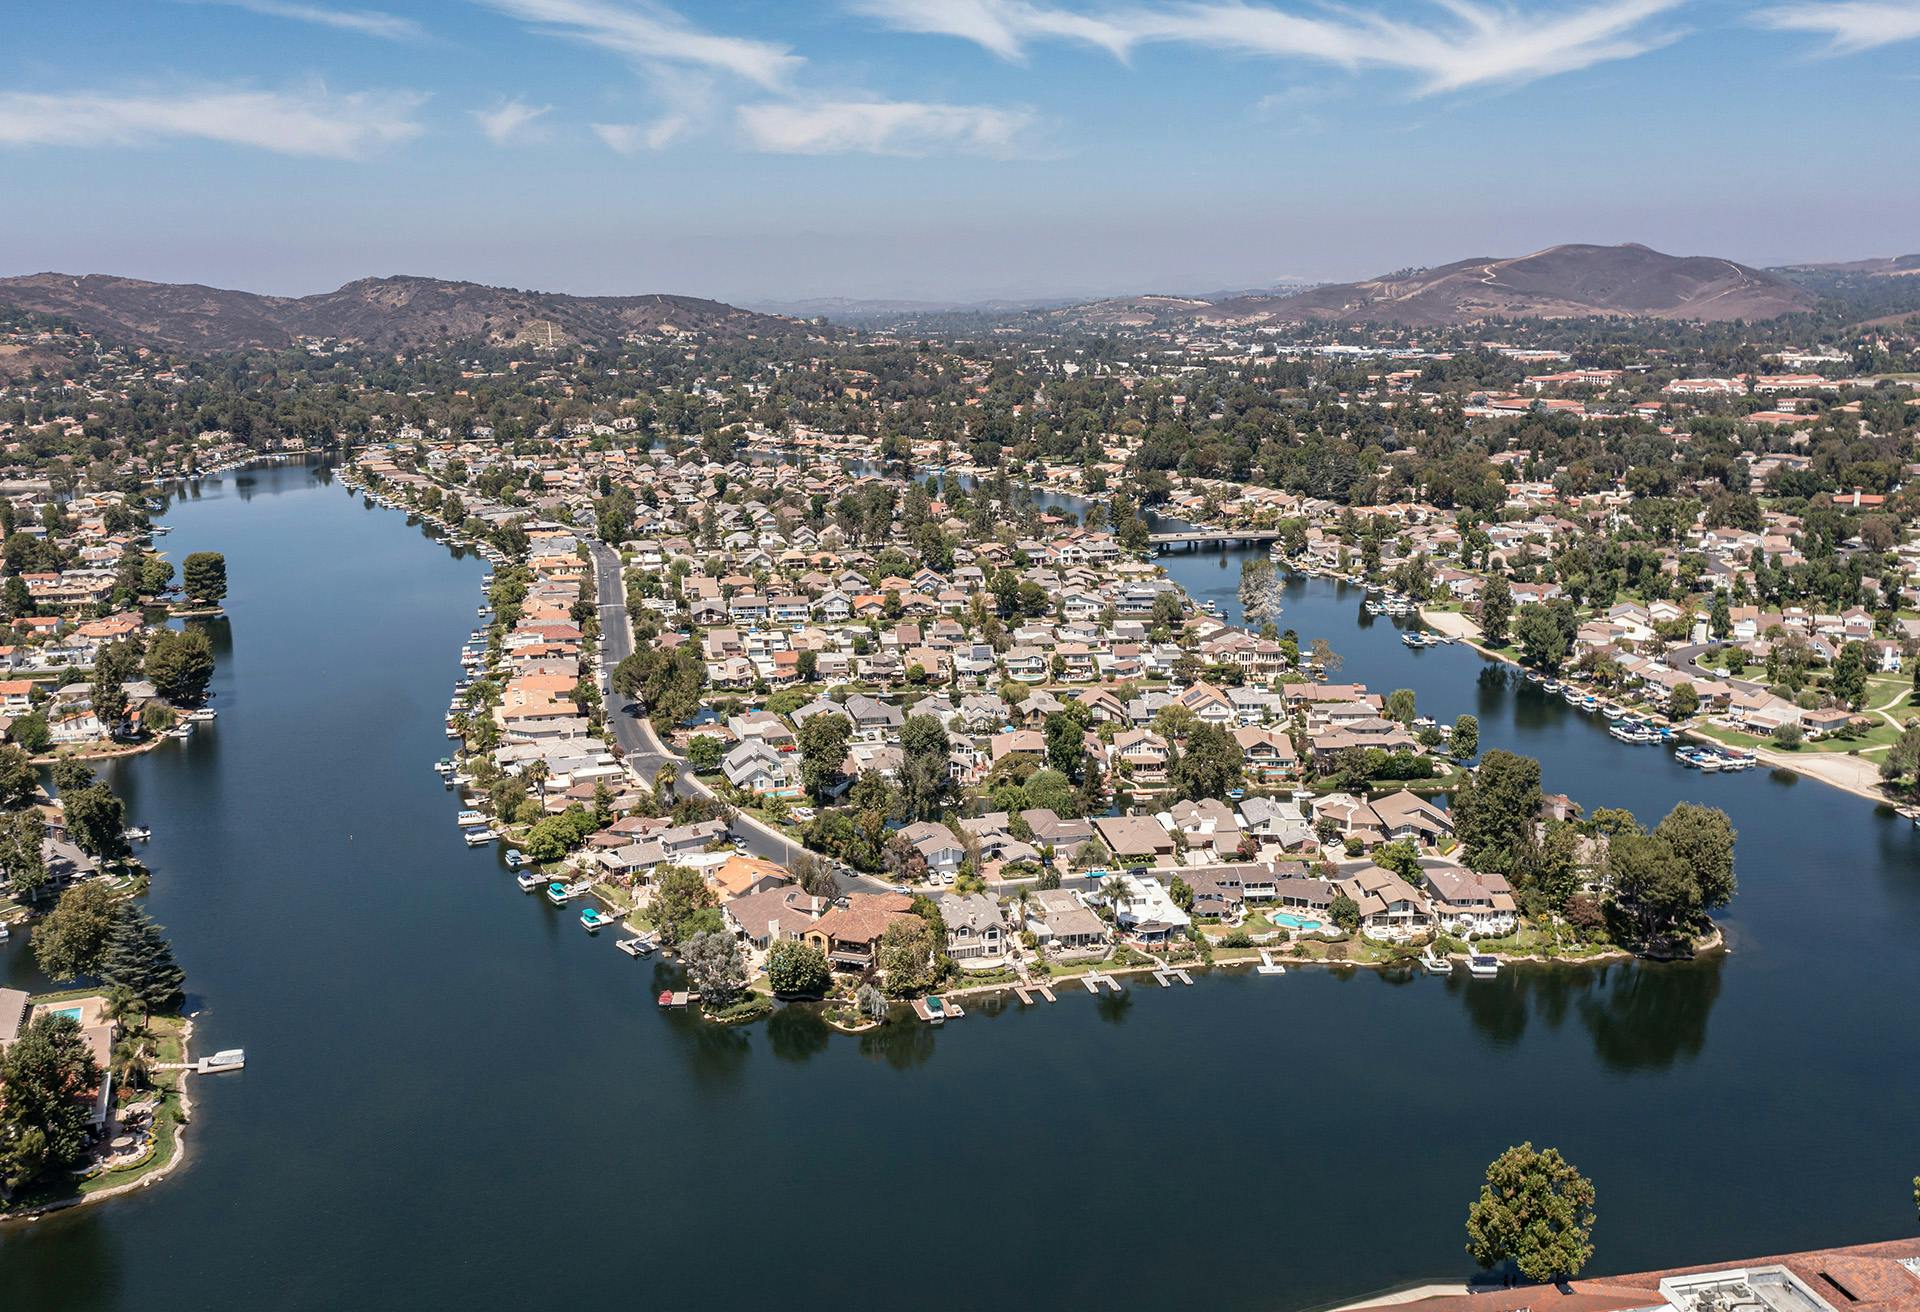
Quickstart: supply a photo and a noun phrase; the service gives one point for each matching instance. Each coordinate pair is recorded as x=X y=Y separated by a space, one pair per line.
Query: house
x=1389 y=907
x=1059 y=920
x=975 y=931
x=760 y=770
x=1145 y=910
x=1470 y=901
x=943 y=852
x=1404 y=815
x=783 y=911
x=1136 y=840
x=849 y=936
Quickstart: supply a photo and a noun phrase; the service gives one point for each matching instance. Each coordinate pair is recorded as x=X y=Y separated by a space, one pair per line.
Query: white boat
x=138 y=834
x=202 y=714
x=529 y=880
x=5 y=933
x=513 y=858
x=1433 y=963
x=478 y=837
x=639 y=946
x=1482 y=966
x=468 y=819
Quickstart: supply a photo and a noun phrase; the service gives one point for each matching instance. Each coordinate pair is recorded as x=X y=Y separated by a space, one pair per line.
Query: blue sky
x=754 y=150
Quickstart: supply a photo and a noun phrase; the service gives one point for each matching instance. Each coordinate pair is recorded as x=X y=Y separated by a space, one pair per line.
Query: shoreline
x=1457 y=626
x=152 y=1176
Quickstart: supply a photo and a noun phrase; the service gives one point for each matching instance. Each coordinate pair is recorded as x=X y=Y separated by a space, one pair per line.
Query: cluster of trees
x=666 y=682
x=1661 y=881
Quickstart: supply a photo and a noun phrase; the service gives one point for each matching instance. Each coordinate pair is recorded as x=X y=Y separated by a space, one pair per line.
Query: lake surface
x=455 y=1098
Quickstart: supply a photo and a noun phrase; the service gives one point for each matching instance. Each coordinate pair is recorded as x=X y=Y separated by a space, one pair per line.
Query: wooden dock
x=1045 y=991
x=1092 y=982
x=1160 y=978
x=1182 y=976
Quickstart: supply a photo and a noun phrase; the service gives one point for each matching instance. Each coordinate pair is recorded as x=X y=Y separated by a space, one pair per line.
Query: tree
x=925 y=778
x=1849 y=681
x=108 y=697
x=814 y=875
x=69 y=939
x=1536 y=1211
x=1209 y=764
x=97 y=821
x=180 y=664
x=23 y=857
x=31 y=732
x=1345 y=912
x=1545 y=633
x=1703 y=838
x=138 y=958
x=1496 y=610
x=703 y=753
x=794 y=967
x=823 y=746
x=1181 y=892
x=1684 y=701
x=48 y=1072
x=906 y=957
x=679 y=894
x=1400 y=705
x=18 y=779
x=1399 y=856
x=1789 y=735
x=1066 y=740
x=715 y=967
x=1465 y=743
x=1494 y=812
x=204 y=577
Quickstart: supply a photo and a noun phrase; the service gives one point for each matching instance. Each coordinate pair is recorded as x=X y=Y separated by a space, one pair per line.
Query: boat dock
x=1095 y=979
x=1268 y=966
x=227 y=1059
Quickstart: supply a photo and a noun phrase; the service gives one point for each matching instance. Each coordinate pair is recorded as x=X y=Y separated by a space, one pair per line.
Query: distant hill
x=1886 y=266
x=383 y=312
x=1560 y=282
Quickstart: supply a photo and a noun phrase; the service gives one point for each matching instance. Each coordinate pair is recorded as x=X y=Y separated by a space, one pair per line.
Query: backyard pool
x=1290 y=921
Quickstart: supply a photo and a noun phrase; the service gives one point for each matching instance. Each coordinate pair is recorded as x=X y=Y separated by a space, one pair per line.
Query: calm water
x=456 y=1099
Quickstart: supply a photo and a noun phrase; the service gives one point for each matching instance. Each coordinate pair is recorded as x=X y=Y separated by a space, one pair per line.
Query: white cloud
x=883 y=127
x=310 y=122
x=1850 y=26
x=652 y=34
x=513 y=121
x=367 y=22
x=1475 y=43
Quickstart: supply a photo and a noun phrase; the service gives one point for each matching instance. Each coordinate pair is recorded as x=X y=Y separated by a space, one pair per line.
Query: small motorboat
x=138 y=834
x=528 y=880
x=513 y=858
x=594 y=920
x=1482 y=966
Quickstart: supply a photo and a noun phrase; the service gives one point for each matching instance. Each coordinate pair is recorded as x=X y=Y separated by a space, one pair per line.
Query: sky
x=767 y=151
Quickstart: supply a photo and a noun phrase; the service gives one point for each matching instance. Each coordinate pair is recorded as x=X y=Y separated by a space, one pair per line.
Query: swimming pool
x=74 y=1014
x=1291 y=921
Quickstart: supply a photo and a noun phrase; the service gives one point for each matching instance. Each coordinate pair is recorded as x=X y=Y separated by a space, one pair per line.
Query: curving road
x=640 y=746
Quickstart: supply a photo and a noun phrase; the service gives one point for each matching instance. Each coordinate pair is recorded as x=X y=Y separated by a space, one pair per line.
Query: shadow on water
x=1639 y=1016
x=797 y=1034
x=901 y=1043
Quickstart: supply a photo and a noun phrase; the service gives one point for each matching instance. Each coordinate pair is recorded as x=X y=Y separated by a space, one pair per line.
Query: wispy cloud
x=310 y=122
x=367 y=22
x=651 y=34
x=687 y=100
x=1467 y=43
x=513 y=121
x=884 y=127
x=1850 y=26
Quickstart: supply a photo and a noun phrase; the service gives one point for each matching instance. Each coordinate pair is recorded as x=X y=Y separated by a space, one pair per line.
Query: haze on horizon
x=756 y=151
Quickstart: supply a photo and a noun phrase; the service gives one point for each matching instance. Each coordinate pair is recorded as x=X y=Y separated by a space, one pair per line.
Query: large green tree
x=823 y=748
x=137 y=957
x=47 y=1073
x=925 y=771
x=68 y=940
x=204 y=577
x=1208 y=764
x=180 y=664
x=1494 y=811
x=796 y=968
x=1536 y=1211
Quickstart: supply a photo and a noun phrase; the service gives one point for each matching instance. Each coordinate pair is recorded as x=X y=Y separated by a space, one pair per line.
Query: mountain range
x=383 y=312
x=1570 y=281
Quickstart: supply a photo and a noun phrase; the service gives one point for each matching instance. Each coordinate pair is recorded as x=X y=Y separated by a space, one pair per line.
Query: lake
x=455 y=1098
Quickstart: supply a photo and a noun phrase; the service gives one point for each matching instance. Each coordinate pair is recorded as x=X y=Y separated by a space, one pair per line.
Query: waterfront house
x=976 y=933
x=849 y=936
x=1059 y=920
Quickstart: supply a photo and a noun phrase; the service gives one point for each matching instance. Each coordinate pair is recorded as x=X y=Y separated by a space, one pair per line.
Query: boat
x=5 y=933
x=672 y=998
x=138 y=834
x=529 y=880
x=1433 y=963
x=513 y=858
x=594 y=919
x=1482 y=966
x=478 y=837
x=468 y=819
x=201 y=715
x=638 y=946
x=560 y=893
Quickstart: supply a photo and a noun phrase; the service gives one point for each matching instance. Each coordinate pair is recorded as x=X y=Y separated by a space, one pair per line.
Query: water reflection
x=1640 y=1016
x=798 y=1034
x=901 y=1043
